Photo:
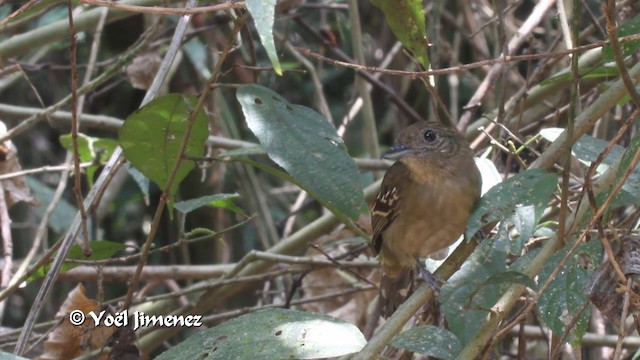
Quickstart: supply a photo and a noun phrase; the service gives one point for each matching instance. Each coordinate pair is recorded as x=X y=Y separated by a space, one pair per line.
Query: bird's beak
x=396 y=152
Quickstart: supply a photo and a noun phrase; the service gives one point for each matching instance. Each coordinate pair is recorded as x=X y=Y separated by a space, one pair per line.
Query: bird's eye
x=430 y=135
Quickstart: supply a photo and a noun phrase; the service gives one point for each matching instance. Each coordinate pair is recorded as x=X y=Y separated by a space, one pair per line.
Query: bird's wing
x=386 y=208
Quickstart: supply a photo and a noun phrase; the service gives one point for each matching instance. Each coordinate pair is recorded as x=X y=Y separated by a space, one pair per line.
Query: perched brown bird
x=423 y=206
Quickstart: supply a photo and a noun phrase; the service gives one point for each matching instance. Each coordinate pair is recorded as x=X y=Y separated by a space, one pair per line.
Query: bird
x=424 y=203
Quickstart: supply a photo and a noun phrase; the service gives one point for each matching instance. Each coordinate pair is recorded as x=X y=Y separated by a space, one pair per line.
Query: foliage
x=264 y=139
x=272 y=333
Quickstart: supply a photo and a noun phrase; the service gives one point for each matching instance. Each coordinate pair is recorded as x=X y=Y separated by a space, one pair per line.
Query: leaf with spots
x=307 y=147
x=629 y=27
x=468 y=294
x=588 y=148
x=528 y=188
x=273 y=334
x=429 y=340
x=406 y=20
x=560 y=304
x=151 y=138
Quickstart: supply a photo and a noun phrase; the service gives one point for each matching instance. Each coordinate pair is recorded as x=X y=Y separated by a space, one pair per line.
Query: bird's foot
x=433 y=281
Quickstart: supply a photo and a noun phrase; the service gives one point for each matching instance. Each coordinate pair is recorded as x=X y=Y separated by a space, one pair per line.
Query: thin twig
x=43 y=227
x=77 y=188
x=466 y=67
x=44 y=169
x=168 y=11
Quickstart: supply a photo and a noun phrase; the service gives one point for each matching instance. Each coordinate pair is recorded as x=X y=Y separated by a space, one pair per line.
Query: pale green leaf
x=273 y=334
x=306 y=146
x=263 y=12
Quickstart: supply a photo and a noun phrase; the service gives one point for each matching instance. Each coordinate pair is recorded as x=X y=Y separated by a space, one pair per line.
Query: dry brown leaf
x=67 y=341
x=15 y=188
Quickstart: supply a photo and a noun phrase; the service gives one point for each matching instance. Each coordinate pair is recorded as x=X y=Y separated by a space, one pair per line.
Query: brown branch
x=165 y=193
x=77 y=188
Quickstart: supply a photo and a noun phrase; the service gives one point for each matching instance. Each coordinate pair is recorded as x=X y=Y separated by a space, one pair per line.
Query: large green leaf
x=272 y=334
x=406 y=20
x=304 y=144
x=263 y=12
x=151 y=138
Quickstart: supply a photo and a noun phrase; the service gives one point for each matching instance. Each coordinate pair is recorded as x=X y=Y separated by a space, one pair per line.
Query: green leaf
x=406 y=20
x=429 y=340
x=223 y=201
x=100 y=250
x=630 y=27
x=90 y=148
x=560 y=303
x=62 y=215
x=273 y=334
x=306 y=146
x=530 y=187
x=263 y=12
x=151 y=138
x=467 y=297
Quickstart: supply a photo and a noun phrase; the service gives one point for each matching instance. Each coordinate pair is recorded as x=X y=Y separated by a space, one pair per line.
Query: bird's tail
x=394 y=290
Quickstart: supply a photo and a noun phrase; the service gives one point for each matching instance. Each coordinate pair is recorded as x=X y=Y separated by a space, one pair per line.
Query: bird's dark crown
x=425 y=138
